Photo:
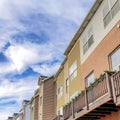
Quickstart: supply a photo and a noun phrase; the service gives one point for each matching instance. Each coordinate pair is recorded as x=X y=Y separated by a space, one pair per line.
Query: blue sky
x=33 y=37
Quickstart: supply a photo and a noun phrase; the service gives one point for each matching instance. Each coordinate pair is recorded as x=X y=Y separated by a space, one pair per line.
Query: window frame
x=71 y=75
x=110 y=60
x=86 y=81
x=60 y=91
x=88 y=36
x=110 y=8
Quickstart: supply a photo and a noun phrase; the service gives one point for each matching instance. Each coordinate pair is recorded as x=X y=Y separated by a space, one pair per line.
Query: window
x=67 y=85
x=41 y=100
x=73 y=71
x=115 y=59
x=60 y=91
x=90 y=79
x=88 y=40
x=110 y=9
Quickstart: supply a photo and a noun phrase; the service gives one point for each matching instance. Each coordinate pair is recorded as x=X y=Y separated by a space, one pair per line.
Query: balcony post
x=108 y=82
x=86 y=100
x=73 y=109
x=113 y=90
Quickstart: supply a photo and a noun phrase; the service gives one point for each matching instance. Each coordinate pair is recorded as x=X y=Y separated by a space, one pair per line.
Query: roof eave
x=83 y=25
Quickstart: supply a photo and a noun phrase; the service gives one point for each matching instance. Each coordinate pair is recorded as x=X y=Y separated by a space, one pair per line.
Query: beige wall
x=32 y=110
x=98 y=30
x=40 y=105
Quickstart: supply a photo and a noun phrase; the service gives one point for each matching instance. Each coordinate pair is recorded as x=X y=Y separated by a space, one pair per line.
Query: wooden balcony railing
x=79 y=103
x=97 y=90
x=67 y=111
x=93 y=93
x=59 y=117
x=115 y=80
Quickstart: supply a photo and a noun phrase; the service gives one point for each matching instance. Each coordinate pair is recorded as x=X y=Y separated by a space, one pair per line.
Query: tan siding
x=49 y=99
x=36 y=108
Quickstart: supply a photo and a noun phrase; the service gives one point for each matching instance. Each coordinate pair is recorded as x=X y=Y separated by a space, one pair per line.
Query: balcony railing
x=106 y=86
x=67 y=111
x=115 y=80
x=59 y=117
x=98 y=90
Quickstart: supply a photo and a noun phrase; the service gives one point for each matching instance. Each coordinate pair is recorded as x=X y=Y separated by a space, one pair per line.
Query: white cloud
x=15 y=91
x=19 y=89
x=73 y=10
x=6 y=68
x=46 y=69
x=68 y=14
x=24 y=55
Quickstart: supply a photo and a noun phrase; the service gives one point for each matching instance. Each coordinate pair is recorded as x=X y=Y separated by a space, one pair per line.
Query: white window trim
x=86 y=79
x=60 y=93
x=110 y=59
x=73 y=74
x=110 y=11
x=87 y=37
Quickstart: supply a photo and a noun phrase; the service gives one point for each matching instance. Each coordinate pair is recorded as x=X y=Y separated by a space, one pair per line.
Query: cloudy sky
x=33 y=37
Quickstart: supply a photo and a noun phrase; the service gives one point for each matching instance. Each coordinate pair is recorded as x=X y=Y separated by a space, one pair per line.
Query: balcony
x=96 y=101
x=59 y=117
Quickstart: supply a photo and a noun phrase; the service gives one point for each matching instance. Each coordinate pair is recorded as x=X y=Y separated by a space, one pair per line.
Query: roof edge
x=84 y=24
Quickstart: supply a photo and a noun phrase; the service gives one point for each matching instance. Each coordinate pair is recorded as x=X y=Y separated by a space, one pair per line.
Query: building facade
x=99 y=60
x=34 y=106
x=87 y=84
x=43 y=104
x=25 y=110
x=68 y=79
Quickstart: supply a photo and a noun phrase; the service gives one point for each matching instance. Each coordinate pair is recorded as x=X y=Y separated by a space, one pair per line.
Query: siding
x=49 y=94
x=36 y=108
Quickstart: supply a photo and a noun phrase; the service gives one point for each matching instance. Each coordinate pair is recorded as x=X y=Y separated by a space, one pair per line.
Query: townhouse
x=34 y=106
x=68 y=79
x=25 y=112
x=98 y=55
x=43 y=103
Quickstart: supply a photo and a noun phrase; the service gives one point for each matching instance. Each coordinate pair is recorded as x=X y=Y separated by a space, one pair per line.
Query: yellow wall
x=74 y=55
x=60 y=81
x=66 y=73
x=75 y=84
